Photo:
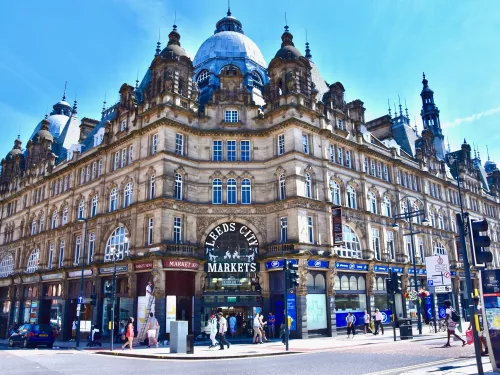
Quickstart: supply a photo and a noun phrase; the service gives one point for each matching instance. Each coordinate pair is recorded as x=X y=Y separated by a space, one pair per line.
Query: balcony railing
x=281 y=248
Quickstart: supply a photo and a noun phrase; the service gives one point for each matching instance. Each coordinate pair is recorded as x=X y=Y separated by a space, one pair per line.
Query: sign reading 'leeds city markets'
x=231 y=247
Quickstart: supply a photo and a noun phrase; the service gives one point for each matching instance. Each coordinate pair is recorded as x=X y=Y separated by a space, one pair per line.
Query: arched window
x=380 y=283
x=353 y=283
x=113 y=199
x=335 y=192
x=64 y=220
x=202 y=78
x=55 y=218
x=178 y=187
x=246 y=191
x=352 y=246
x=387 y=207
x=361 y=283
x=152 y=186
x=81 y=209
x=372 y=202
x=282 y=187
x=127 y=195
x=217 y=191
x=231 y=191
x=7 y=266
x=439 y=249
x=307 y=186
x=344 y=283
x=441 y=221
x=33 y=261
x=319 y=282
x=310 y=281
x=337 y=283
x=351 y=197
x=95 y=202
x=118 y=244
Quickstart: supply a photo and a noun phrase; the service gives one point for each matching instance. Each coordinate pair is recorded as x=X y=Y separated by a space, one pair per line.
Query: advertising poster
x=292 y=311
x=491 y=313
x=316 y=311
x=337 y=230
x=171 y=310
x=142 y=311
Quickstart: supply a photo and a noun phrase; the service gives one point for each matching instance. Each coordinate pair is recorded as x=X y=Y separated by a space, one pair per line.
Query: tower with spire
x=430 y=118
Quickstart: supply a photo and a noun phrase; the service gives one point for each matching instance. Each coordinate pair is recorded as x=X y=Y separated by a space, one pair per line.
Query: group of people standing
x=377 y=319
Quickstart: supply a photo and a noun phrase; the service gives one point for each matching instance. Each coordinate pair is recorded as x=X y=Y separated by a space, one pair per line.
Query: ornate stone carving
x=332 y=274
x=370 y=282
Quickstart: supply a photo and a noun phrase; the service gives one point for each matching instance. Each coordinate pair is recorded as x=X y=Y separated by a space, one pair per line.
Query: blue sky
x=378 y=49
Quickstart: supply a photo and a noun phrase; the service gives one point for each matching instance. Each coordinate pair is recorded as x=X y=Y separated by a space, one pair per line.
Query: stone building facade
x=206 y=174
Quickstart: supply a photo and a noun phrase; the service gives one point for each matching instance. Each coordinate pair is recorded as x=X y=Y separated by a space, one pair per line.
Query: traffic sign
x=80 y=299
x=438 y=270
x=442 y=289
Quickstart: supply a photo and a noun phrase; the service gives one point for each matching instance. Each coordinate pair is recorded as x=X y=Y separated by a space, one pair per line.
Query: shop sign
x=54 y=276
x=292 y=310
x=143 y=266
x=79 y=273
x=231 y=281
x=381 y=269
x=311 y=263
x=30 y=279
x=337 y=228
x=397 y=269
x=419 y=271
x=351 y=266
x=106 y=270
x=181 y=264
x=274 y=264
x=223 y=256
x=453 y=273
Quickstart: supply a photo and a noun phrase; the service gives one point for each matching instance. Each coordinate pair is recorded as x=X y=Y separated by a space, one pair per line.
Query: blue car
x=32 y=335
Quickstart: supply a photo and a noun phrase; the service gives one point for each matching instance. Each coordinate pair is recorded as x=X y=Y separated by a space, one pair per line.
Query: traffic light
x=388 y=284
x=293 y=276
x=93 y=299
x=108 y=289
x=397 y=286
x=481 y=256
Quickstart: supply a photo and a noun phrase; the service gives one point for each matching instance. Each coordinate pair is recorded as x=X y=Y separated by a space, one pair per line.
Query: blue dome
x=229 y=45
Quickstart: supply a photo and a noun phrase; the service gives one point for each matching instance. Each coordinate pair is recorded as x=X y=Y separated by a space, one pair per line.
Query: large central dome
x=229 y=42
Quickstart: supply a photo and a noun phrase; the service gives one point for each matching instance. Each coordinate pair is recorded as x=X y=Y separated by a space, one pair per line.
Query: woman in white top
x=350 y=325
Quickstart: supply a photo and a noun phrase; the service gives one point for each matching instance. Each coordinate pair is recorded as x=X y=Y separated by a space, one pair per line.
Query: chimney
x=86 y=126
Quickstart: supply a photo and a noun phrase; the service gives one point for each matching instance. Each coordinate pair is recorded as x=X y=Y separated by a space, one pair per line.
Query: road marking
x=414 y=367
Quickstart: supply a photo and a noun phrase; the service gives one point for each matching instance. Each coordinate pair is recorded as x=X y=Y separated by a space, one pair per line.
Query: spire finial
x=64 y=94
x=400 y=106
x=395 y=111
x=488 y=152
x=389 y=105
x=286 y=24
x=415 y=125
x=175 y=20
x=158 y=43
x=448 y=140
x=75 y=107
x=228 y=8
x=406 y=110
x=137 y=80
x=308 y=50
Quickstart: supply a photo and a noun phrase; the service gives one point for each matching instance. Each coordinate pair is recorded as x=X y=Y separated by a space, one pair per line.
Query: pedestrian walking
x=73 y=330
x=271 y=321
x=152 y=329
x=366 y=319
x=350 y=325
x=222 y=332
x=213 y=331
x=262 y=328
x=257 y=333
x=451 y=319
x=478 y=310
x=129 y=333
x=378 y=322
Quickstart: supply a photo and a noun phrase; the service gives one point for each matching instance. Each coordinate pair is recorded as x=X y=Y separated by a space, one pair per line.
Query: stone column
x=199 y=286
x=265 y=290
x=301 y=301
x=330 y=298
x=370 y=286
x=159 y=293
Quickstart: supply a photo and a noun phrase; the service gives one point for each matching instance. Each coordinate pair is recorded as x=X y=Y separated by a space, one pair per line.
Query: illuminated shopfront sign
x=231 y=248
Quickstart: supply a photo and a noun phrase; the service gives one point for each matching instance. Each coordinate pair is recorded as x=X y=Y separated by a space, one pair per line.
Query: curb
x=151 y=356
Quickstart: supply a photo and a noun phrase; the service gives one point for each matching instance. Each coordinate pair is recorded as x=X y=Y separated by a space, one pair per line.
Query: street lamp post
x=409 y=214
x=81 y=219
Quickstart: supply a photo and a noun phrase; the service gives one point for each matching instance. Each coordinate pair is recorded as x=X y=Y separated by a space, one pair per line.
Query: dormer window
x=123 y=125
x=231 y=116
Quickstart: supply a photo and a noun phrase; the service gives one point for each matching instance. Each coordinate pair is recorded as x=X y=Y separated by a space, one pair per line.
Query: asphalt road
x=367 y=359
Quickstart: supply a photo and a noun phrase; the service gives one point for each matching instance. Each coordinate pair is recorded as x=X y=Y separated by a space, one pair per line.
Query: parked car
x=33 y=335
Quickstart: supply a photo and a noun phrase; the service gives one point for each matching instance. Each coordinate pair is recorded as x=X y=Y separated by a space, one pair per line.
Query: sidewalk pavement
x=238 y=350
x=461 y=367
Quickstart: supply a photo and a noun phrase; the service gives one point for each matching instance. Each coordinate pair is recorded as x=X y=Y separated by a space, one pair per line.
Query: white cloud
x=471 y=118
x=152 y=15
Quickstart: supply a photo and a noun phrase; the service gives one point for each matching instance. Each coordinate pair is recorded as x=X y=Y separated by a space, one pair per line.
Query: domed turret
x=44 y=133
x=288 y=50
x=16 y=150
x=173 y=47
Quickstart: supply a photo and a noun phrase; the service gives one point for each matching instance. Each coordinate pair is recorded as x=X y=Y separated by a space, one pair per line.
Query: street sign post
x=438 y=271
x=80 y=300
x=443 y=289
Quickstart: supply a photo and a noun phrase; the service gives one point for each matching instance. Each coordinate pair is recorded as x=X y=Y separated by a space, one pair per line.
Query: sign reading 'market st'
x=231 y=247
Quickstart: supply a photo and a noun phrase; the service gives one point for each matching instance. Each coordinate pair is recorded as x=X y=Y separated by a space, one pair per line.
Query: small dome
x=173 y=47
x=45 y=134
x=288 y=52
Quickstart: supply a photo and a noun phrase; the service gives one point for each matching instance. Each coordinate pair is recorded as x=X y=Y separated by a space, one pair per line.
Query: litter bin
x=190 y=344
x=405 y=329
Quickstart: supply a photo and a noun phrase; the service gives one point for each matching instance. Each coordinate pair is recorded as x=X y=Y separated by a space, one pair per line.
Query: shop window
x=361 y=283
x=310 y=281
x=344 y=283
x=319 y=282
x=353 y=283
x=337 y=283
x=380 y=283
